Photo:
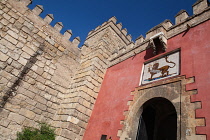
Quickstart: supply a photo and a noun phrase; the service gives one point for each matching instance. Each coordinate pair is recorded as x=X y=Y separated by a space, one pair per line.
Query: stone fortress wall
x=46 y=77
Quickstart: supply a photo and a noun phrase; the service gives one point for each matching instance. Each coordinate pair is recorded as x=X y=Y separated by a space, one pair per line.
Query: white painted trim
x=156 y=35
x=141 y=76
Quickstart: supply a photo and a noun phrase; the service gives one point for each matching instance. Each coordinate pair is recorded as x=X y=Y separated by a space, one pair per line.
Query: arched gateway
x=158 y=120
x=162 y=111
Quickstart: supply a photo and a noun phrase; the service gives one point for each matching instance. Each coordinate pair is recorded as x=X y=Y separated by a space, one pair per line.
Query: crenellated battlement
x=44 y=24
x=117 y=27
x=201 y=13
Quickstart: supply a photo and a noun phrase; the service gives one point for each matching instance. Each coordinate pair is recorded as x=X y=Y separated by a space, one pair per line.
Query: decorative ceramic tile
x=167 y=66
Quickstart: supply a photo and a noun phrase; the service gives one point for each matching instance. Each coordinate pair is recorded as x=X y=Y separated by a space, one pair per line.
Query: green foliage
x=44 y=133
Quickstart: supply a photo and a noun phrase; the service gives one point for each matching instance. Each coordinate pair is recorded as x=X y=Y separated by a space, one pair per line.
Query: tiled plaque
x=167 y=66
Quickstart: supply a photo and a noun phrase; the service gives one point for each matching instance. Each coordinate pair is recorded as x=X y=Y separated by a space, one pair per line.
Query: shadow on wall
x=11 y=91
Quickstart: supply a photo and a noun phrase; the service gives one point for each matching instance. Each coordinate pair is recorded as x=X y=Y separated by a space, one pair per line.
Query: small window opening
x=158 y=46
x=158 y=43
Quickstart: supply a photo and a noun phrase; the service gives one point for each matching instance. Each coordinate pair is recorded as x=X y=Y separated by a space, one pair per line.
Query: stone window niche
x=158 y=43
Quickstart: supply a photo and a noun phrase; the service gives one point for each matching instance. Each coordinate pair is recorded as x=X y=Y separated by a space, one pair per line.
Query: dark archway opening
x=158 y=120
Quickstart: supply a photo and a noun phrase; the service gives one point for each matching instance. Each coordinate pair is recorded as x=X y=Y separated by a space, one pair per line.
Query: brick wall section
x=37 y=64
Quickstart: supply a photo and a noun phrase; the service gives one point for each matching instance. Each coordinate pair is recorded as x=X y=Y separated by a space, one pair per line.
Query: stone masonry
x=37 y=66
x=44 y=77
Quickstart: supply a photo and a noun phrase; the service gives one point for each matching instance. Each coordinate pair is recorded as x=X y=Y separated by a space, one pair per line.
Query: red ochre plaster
x=122 y=78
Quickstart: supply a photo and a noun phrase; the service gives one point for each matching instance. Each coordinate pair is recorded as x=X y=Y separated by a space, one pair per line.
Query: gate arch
x=158 y=120
x=174 y=91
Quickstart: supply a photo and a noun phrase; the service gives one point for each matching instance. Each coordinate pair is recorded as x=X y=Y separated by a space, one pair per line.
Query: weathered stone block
x=13 y=55
x=28 y=123
x=41 y=106
x=39 y=71
x=13 y=14
x=26 y=30
x=37 y=111
x=6 y=16
x=11 y=39
x=12 y=34
x=3 y=57
x=42 y=80
x=73 y=120
x=15 y=72
x=16 y=64
x=4 y=113
x=40 y=99
x=22 y=61
x=16 y=117
x=60 y=138
x=12 y=20
x=61 y=48
x=23 y=40
x=40 y=64
x=5 y=131
x=26 y=92
x=4 y=122
x=4 y=22
x=27 y=113
x=28 y=25
x=30 y=101
x=68 y=134
x=42 y=34
x=75 y=128
x=25 y=55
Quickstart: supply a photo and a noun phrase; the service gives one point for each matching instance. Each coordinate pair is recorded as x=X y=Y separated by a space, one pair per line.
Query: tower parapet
x=33 y=15
x=112 y=22
x=200 y=6
x=181 y=16
x=38 y=9
x=183 y=22
x=49 y=18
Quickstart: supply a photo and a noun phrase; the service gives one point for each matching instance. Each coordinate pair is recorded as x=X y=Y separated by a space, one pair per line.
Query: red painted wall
x=122 y=78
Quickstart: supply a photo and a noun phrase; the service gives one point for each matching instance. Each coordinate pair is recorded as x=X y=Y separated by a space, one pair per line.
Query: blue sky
x=137 y=16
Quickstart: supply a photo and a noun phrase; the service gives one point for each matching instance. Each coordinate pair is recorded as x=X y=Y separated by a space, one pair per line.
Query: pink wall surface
x=122 y=78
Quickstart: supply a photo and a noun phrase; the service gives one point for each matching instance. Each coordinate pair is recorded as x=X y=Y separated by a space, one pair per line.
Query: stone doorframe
x=174 y=90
